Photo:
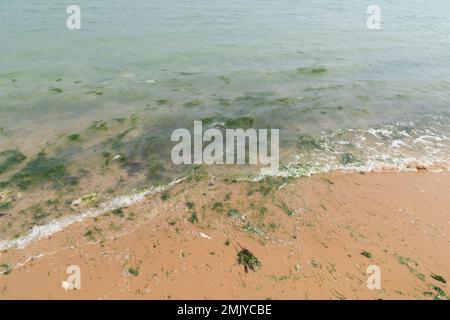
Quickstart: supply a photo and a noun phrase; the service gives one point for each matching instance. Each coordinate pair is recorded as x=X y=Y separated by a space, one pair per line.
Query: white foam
x=40 y=232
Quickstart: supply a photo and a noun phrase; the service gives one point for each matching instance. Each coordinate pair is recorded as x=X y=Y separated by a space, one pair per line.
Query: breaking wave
x=40 y=232
x=410 y=145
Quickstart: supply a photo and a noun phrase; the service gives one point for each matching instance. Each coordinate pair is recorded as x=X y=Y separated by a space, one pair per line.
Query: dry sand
x=309 y=239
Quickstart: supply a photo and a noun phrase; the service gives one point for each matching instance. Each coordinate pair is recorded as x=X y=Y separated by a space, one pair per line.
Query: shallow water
x=342 y=95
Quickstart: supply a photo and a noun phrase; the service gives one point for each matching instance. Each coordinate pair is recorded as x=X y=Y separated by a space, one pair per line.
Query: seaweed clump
x=248 y=260
x=241 y=123
x=11 y=158
x=40 y=169
x=5 y=269
x=367 y=254
x=348 y=158
x=75 y=137
x=438 y=278
x=308 y=142
x=312 y=70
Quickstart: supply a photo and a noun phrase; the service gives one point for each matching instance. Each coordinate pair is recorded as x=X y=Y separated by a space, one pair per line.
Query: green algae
x=286 y=209
x=312 y=70
x=428 y=294
x=155 y=170
x=420 y=276
x=406 y=261
x=240 y=123
x=255 y=100
x=95 y=92
x=6 y=199
x=348 y=158
x=307 y=142
x=5 y=269
x=252 y=229
x=120 y=120
x=90 y=199
x=438 y=278
x=411 y=265
x=232 y=213
x=75 y=137
x=134 y=119
x=285 y=101
x=99 y=125
x=193 y=103
x=273 y=226
x=134 y=271
x=165 y=196
x=5 y=205
x=38 y=213
x=118 y=212
x=441 y=295
x=262 y=212
x=10 y=158
x=225 y=79
x=92 y=232
x=133 y=167
x=217 y=206
x=208 y=120
x=266 y=186
x=163 y=102
x=193 y=218
x=248 y=260
x=116 y=141
x=223 y=102
x=40 y=169
x=107 y=158
x=190 y=205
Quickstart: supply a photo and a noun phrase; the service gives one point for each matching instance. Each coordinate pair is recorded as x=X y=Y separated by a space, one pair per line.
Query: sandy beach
x=314 y=238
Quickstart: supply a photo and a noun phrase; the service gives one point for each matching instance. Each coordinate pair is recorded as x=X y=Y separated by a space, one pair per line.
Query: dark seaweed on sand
x=248 y=260
x=40 y=169
x=10 y=159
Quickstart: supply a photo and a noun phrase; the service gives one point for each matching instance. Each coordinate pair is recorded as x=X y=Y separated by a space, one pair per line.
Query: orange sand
x=401 y=219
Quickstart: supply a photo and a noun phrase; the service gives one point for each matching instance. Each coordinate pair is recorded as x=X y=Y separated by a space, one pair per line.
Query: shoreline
x=310 y=239
x=123 y=201
x=106 y=159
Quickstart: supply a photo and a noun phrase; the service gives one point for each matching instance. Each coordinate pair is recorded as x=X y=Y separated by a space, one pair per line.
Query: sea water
x=343 y=96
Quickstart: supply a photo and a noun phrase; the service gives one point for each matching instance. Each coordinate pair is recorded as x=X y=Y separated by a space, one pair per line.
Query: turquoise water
x=342 y=95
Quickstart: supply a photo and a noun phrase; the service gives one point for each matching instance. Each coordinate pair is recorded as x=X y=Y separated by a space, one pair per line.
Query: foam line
x=40 y=232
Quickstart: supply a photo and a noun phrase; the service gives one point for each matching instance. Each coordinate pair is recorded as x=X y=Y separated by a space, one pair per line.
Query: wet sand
x=314 y=238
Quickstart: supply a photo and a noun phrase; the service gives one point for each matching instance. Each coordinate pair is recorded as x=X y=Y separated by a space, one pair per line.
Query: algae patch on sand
x=9 y=159
x=367 y=254
x=75 y=137
x=5 y=269
x=248 y=260
x=40 y=169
